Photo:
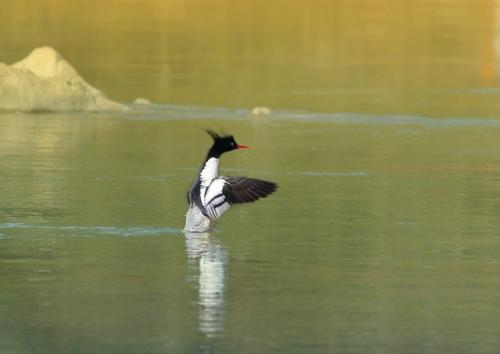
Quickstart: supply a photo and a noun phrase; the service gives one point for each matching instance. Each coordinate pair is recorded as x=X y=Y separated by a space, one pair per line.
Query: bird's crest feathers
x=216 y=136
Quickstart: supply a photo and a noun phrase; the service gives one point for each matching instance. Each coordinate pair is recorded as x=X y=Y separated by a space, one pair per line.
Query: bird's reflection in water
x=208 y=258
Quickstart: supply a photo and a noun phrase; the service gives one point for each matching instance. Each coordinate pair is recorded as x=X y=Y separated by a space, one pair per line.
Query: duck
x=211 y=195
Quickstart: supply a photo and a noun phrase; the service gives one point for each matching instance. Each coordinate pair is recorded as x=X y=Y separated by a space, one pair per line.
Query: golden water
x=386 y=56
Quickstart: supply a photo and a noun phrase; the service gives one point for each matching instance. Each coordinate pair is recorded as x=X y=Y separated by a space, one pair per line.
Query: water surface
x=381 y=238
x=383 y=137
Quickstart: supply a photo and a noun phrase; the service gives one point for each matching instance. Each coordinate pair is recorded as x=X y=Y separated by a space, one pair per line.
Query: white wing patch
x=214 y=200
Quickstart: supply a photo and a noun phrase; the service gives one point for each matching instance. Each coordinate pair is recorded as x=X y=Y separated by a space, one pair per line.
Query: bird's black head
x=222 y=144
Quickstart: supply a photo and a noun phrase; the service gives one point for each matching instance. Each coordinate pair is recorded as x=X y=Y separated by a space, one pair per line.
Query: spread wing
x=226 y=191
x=246 y=190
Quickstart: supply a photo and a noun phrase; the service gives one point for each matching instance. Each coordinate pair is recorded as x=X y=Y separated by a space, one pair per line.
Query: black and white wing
x=213 y=199
x=226 y=191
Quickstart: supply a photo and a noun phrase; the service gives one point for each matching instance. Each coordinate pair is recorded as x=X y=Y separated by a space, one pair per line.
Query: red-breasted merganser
x=212 y=195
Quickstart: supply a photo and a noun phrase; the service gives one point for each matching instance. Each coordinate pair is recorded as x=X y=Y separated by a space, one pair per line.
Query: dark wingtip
x=271 y=187
x=265 y=188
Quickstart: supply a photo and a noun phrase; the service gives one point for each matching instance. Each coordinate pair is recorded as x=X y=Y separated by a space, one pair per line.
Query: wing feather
x=214 y=200
x=246 y=190
x=226 y=191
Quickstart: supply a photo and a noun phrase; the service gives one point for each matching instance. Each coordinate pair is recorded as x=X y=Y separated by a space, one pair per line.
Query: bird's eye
x=232 y=144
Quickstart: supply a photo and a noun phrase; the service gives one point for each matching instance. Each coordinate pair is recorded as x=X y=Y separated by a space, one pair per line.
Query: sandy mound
x=44 y=81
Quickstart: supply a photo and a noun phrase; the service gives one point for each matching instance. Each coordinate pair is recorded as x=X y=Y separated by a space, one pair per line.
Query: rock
x=44 y=81
x=261 y=111
x=142 y=101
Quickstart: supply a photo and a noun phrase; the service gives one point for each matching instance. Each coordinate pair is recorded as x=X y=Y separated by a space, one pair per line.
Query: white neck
x=210 y=171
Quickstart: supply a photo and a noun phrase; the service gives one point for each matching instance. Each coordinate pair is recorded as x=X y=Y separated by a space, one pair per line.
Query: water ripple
x=174 y=112
x=99 y=230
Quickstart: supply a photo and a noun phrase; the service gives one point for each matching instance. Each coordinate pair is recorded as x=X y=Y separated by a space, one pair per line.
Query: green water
x=382 y=238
